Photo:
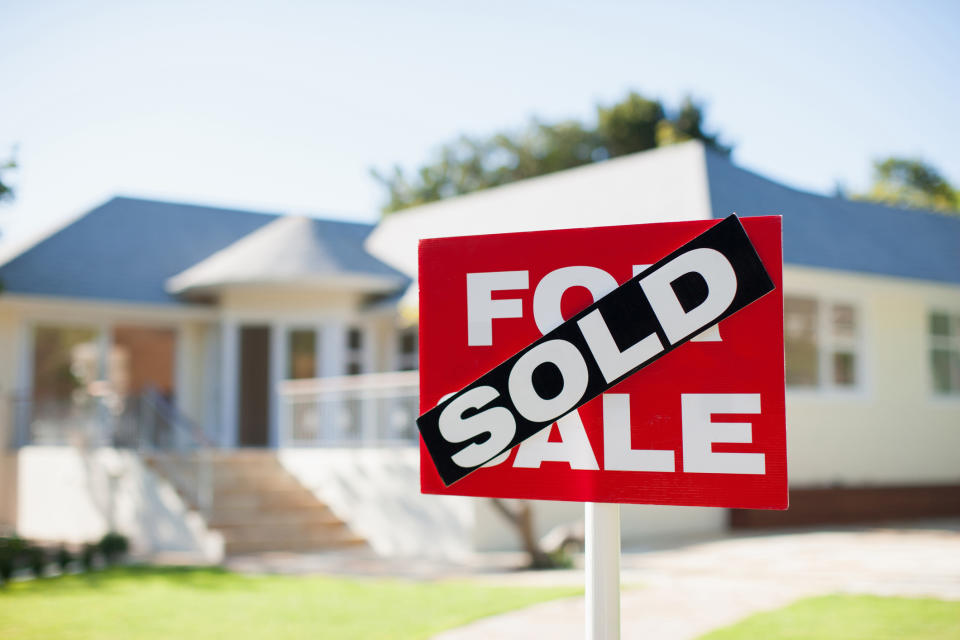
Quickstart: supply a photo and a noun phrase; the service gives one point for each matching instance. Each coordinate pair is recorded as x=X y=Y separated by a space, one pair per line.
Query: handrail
x=176 y=418
x=361 y=382
x=366 y=410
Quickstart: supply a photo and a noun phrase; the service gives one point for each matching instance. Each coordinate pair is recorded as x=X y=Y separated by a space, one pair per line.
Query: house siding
x=893 y=430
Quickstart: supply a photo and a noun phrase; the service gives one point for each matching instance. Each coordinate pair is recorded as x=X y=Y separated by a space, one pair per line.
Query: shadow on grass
x=125 y=577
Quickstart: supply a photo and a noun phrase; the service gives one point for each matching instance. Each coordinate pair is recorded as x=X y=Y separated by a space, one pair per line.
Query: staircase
x=258 y=506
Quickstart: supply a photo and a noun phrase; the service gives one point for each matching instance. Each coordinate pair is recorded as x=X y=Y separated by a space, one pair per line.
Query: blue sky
x=285 y=106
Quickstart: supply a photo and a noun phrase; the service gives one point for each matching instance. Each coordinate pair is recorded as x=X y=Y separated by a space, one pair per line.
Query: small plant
x=64 y=559
x=88 y=557
x=36 y=559
x=11 y=548
x=114 y=547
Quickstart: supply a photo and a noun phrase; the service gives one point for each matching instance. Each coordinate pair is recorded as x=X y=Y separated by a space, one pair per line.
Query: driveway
x=683 y=592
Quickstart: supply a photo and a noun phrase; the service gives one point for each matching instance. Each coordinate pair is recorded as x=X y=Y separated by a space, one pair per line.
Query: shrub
x=11 y=550
x=64 y=558
x=88 y=557
x=113 y=546
x=36 y=559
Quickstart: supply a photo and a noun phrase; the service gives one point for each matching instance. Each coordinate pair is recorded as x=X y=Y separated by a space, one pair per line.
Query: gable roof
x=294 y=250
x=664 y=184
x=125 y=249
x=836 y=233
x=683 y=182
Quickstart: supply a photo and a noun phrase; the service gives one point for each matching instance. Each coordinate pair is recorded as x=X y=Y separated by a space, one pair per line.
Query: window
x=945 y=352
x=355 y=351
x=301 y=354
x=821 y=340
x=407 y=355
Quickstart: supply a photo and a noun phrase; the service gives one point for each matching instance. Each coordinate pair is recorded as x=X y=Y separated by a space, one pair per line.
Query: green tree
x=6 y=191
x=908 y=182
x=470 y=164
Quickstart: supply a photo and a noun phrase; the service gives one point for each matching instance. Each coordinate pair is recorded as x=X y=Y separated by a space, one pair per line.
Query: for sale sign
x=588 y=364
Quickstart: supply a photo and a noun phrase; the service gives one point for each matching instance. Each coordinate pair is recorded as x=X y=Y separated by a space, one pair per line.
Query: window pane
x=354 y=338
x=844 y=321
x=408 y=341
x=939 y=324
x=844 y=369
x=65 y=361
x=800 y=341
x=301 y=354
x=946 y=370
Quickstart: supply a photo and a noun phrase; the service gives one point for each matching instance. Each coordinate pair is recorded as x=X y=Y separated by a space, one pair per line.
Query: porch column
x=333 y=356
x=229 y=363
x=278 y=369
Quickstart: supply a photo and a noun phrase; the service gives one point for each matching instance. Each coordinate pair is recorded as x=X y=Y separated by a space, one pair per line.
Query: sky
x=286 y=106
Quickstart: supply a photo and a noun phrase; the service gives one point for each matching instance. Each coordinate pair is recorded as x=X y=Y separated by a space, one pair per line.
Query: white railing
x=369 y=410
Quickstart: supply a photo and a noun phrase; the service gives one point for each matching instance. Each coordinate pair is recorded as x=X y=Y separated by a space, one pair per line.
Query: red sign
x=702 y=425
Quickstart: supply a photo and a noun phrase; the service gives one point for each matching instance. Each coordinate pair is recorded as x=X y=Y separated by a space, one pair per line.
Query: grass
x=851 y=618
x=187 y=603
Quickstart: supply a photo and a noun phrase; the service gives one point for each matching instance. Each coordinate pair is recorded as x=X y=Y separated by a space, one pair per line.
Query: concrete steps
x=258 y=506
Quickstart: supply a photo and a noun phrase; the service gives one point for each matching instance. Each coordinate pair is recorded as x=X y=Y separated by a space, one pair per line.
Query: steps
x=258 y=506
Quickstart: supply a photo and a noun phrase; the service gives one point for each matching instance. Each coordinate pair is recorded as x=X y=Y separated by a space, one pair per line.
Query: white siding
x=891 y=429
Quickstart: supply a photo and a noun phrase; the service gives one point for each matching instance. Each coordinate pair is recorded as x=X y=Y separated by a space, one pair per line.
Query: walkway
x=691 y=590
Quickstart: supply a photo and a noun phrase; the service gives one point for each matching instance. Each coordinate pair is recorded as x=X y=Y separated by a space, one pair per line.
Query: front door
x=254 y=386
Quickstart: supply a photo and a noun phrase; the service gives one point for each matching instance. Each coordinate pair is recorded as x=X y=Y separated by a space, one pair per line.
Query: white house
x=872 y=316
x=157 y=327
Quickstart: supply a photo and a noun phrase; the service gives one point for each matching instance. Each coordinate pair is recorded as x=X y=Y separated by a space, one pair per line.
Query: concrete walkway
x=687 y=591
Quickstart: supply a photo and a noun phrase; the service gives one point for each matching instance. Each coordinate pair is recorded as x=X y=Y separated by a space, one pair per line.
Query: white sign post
x=602 y=550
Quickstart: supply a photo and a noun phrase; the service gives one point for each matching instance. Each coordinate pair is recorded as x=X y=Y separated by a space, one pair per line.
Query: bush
x=113 y=546
x=64 y=558
x=36 y=559
x=11 y=550
x=88 y=557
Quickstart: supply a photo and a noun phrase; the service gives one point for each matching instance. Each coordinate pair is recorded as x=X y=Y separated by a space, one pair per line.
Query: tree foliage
x=470 y=164
x=6 y=191
x=911 y=183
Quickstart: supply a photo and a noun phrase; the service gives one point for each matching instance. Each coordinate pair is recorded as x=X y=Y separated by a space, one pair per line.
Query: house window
x=301 y=354
x=945 y=352
x=821 y=340
x=407 y=349
x=355 y=351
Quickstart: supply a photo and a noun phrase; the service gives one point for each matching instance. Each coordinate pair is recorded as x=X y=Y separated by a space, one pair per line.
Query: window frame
x=953 y=315
x=827 y=344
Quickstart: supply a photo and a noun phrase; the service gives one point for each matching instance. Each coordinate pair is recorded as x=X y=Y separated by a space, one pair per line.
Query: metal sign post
x=602 y=557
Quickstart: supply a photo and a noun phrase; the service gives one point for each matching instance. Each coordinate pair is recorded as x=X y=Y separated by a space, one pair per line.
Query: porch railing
x=169 y=440
x=178 y=448
x=369 y=410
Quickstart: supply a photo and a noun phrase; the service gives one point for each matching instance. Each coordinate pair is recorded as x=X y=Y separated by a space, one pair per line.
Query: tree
x=470 y=164
x=911 y=183
x=6 y=191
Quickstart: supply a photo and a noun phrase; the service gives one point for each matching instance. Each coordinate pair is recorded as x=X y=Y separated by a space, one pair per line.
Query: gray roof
x=127 y=249
x=836 y=233
x=294 y=250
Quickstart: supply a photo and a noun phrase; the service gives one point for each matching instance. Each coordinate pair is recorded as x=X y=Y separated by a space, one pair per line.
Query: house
x=872 y=317
x=177 y=371
x=179 y=319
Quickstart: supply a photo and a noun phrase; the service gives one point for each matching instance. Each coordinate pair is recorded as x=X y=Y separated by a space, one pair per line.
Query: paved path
x=691 y=590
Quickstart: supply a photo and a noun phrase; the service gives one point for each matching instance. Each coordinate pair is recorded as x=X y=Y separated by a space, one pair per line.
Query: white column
x=333 y=337
x=104 y=424
x=278 y=369
x=24 y=383
x=602 y=560
x=211 y=383
x=229 y=367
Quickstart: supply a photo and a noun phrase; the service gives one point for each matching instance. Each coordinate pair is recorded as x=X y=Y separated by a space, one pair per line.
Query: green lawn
x=185 y=603
x=851 y=618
